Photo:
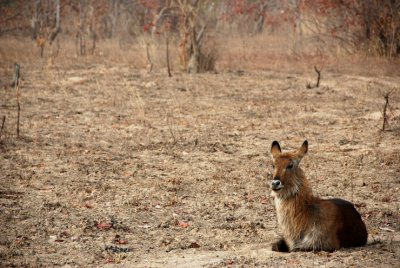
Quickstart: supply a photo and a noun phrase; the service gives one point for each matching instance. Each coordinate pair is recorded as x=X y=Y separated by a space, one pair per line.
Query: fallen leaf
x=110 y=260
x=264 y=200
x=183 y=224
x=104 y=226
x=229 y=262
x=249 y=198
x=121 y=241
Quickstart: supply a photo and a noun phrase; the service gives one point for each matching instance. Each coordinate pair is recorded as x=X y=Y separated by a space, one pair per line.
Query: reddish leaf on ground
x=110 y=260
x=229 y=262
x=121 y=241
x=183 y=224
x=264 y=200
x=104 y=226
x=249 y=197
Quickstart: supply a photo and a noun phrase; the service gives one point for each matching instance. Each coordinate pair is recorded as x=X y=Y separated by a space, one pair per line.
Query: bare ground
x=117 y=166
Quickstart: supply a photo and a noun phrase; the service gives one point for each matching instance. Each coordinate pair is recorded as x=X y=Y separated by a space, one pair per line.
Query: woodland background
x=137 y=133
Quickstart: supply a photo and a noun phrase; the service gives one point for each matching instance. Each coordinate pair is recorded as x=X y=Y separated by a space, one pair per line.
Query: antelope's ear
x=275 y=150
x=303 y=149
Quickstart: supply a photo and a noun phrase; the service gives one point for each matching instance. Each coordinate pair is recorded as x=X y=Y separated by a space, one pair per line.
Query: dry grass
x=275 y=53
x=231 y=52
x=178 y=168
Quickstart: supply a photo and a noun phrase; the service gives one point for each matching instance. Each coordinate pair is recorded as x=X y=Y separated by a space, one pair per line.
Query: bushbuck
x=309 y=223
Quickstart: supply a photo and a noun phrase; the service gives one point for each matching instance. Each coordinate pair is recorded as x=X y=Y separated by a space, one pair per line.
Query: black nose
x=275 y=183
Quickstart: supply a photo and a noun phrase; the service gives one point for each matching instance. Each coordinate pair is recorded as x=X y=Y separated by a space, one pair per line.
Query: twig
x=2 y=125
x=16 y=86
x=16 y=75
x=148 y=57
x=318 y=71
x=167 y=54
x=19 y=113
x=384 y=113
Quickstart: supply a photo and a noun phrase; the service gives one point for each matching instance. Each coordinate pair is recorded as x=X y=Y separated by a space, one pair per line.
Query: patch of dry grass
x=179 y=167
x=232 y=52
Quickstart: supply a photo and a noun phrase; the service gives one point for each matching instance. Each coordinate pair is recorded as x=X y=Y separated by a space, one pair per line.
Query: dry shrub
x=208 y=58
x=207 y=61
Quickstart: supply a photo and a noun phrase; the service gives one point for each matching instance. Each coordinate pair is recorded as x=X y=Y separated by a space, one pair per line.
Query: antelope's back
x=351 y=231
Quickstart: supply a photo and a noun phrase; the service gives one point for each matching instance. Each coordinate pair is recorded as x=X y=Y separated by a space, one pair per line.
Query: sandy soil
x=118 y=166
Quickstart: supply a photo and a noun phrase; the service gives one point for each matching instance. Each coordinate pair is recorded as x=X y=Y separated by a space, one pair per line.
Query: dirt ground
x=116 y=166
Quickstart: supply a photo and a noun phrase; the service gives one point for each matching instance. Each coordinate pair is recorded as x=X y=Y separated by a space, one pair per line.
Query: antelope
x=309 y=223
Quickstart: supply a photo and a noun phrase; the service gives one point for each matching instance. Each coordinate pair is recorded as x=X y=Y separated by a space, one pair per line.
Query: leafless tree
x=45 y=22
x=195 y=17
x=190 y=19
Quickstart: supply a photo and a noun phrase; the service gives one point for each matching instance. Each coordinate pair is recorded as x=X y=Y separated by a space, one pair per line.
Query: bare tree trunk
x=86 y=29
x=91 y=30
x=94 y=38
x=80 y=35
x=115 y=12
x=191 y=40
x=194 y=54
x=318 y=71
x=261 y=19
x=35 y=20
x=148 y=57
x=57 y=28
x=184 y=45
x=298 y=31
x=41 y=50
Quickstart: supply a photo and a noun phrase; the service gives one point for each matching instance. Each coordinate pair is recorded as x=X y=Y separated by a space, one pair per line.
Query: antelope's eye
x=290 y=166
x=273 y=166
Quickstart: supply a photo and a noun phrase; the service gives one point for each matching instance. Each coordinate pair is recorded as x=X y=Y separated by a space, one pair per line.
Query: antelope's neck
x=298 y=203
x=295 y=213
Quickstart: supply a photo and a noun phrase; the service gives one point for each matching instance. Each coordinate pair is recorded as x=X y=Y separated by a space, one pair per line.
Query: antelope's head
x=287 y=177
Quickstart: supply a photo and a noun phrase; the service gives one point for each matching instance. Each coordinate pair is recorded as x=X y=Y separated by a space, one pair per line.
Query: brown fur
x=308 y=222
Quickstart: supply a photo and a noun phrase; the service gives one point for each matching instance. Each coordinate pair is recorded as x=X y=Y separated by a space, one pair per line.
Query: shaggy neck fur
x=295 y=207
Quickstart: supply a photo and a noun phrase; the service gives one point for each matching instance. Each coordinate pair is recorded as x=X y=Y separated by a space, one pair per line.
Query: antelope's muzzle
x=276 y=185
